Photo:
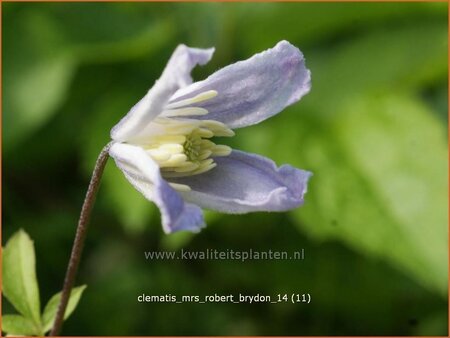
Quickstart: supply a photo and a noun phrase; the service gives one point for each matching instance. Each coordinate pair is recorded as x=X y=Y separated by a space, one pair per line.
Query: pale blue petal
x=143 y=173
x=253 y=90
x=176 y=75
x=244 y=182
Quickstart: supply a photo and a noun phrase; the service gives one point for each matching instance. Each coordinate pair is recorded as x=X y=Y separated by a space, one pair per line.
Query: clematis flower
x=165 y=148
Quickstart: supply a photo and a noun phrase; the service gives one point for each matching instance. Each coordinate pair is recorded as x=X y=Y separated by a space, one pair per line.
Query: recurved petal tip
x=244 y=182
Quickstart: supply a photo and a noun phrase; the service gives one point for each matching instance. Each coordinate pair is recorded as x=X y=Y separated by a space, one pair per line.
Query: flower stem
x=80 y=237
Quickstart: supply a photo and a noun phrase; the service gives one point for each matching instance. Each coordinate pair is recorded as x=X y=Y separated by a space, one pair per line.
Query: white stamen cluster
x=182 y=147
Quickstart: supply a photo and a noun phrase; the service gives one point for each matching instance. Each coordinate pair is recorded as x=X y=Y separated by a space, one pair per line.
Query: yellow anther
x=174 y=161
x=204 y=169
x=189 y=111
x=218 y=128
x=221 y=150
x=205 y=133
x=196 y=99
x=186 y=168
x=158 y=155
x=204 y=154
x=180 y=187
x=207 y=144
x=225 y=132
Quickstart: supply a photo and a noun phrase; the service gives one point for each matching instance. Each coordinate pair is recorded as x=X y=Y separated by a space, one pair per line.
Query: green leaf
x=20 y=284
x=49 y=314
x=18 y=326
x=380 y=184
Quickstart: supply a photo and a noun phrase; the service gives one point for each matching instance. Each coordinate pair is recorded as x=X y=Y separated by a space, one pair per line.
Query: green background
x=372 y=130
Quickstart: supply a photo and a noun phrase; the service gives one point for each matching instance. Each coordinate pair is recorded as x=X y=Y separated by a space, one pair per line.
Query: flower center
x=181 y=145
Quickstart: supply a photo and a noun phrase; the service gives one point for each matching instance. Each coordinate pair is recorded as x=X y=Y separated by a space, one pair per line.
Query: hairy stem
x=80 y=237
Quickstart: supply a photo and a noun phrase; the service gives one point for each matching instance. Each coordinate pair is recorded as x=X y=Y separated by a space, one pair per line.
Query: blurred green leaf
x=158 y=32
x=37 y=71
x=36 y=94
x=20 y=284
x=382 y=187
x=18 y=326
x=319 y=23
x=49 y=314
x=403 y=58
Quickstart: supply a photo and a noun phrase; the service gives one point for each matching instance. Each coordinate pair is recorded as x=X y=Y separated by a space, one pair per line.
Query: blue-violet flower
x=164 y=147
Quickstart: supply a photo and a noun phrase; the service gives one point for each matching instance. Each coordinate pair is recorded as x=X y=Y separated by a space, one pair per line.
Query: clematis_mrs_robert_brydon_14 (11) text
x=164 y=145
